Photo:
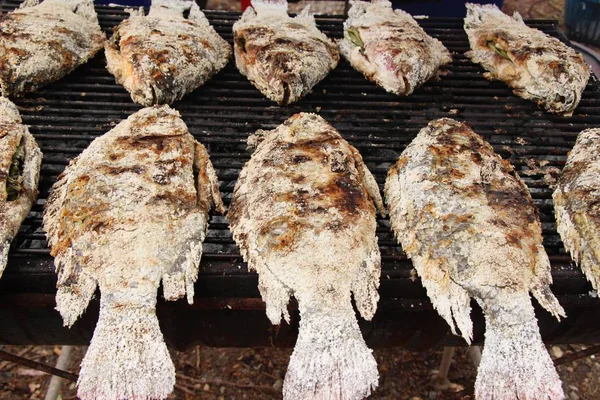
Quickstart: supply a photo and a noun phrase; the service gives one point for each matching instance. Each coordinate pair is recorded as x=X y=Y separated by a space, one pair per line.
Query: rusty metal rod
x=577 y=355
x=38 y=366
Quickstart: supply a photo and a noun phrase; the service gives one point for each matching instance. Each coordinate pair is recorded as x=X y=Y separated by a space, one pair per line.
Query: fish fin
x=135 y=12
x=257 y=138
x=127 y=357
x=331 y=359
x=575 y=231
x=370 y=183
x=517 y=17
x=29 y=3
x=85 y=9
x=305 y=17
x=270 y=6
x=176 y=5
x=54 y=204
x=451 y=301
x=197 y=15
x=75 y=289
x=515 y=363
x=540 y=286
x=209 y=195
x=366 y=283
x=181 y=279
x=275 y=295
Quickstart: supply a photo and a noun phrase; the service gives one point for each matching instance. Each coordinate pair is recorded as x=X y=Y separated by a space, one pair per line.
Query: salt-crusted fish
x=390 y=48
x=468 y=222
x=161 y=57
x=41 y=43
x=536 y=66
x=130 y=211
x=577 y=204
x=303 y=215
x=20 y=161
x=283 y=57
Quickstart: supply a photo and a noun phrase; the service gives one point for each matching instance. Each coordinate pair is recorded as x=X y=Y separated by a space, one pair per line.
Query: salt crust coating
x=161 y=57
x=577 y=204
x=536 y=66
x=283 y=57
x=41 y=43
x=12 y=213
x=396 y=53
x=123 y=216
x=468 y=222
x=303 y=214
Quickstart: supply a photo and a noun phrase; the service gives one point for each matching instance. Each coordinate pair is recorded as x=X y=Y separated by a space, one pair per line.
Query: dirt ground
x=218 y=374
x=210 y=373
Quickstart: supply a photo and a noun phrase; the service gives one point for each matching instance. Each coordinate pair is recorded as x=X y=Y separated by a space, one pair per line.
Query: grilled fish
x=390 y=48
x=20 y=161
x=303 y=215
x=536 y=66
x=41 y=43
x=131 y=210
x=468 y=222
x=577 y=204
x=283 y=57
x=161 y=57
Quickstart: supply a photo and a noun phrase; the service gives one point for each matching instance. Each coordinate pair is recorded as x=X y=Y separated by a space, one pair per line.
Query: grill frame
x=66 y=115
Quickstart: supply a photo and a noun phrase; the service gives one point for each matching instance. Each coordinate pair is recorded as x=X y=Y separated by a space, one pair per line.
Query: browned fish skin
x=283 y=57
x=303 y=214
x=538 y=67
x=161 y=57
x=41 y=43
x=390 y=48
x=130 y=211
x=577 y=204
x=14 y=207
x=468 y=222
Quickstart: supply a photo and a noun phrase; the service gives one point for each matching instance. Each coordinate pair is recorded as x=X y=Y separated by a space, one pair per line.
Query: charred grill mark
x=114 y=170
x=518 y=202
x=300 y=158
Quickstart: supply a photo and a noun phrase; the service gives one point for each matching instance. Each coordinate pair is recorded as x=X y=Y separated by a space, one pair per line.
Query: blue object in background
x=583 y=20
x=439 y=8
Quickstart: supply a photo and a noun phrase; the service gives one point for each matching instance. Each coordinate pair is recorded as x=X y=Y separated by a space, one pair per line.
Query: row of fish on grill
x=162 y=56
x=304 y=207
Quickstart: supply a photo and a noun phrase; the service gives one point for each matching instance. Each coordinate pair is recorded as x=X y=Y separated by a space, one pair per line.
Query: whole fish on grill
x=161 y=57
x=20 y=161
x=536 y=66
x=468 y=222
x=577 y=204
x=42 y=42
x=390 y=48
x=283 y=57
x=303 y=214
x=130 y=211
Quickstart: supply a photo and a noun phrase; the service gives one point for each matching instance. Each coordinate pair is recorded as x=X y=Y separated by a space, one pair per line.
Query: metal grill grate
x=67 y=115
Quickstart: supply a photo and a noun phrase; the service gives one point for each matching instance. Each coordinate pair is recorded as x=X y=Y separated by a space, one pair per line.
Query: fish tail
x=331 y=359
x=270 y=6
x=515 y=363
x=127 y=358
